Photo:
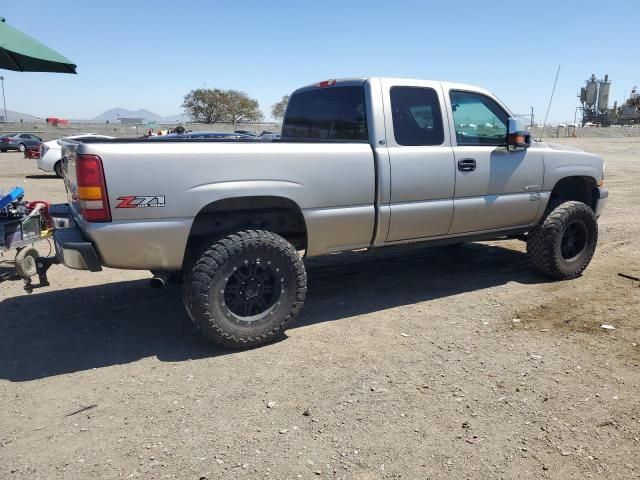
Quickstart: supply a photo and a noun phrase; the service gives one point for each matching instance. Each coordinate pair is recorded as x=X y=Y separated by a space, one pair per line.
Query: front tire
x=245 y=289
x=562 y=246
x=22 y=147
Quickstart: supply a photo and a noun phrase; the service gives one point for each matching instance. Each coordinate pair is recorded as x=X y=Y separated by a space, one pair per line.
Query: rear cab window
x=329 y=114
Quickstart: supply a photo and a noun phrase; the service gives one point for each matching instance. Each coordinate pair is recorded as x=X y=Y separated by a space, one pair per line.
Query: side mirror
x=517 y=137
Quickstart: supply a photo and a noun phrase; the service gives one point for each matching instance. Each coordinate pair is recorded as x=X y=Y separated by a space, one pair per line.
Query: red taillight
x=326 y=83
x=6 y=139
x=92 y=190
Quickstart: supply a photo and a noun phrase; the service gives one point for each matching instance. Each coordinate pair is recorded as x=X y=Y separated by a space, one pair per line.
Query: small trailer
x=22 y=224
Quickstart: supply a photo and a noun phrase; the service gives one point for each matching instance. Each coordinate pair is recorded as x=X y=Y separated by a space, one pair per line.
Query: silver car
x=18 y=141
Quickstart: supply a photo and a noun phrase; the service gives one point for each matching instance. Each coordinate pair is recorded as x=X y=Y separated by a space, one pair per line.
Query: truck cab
x=443 y=166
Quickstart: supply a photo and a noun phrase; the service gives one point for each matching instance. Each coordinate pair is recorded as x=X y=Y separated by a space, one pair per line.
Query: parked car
x=50 y=159
x=217 y=135
x=246 y=132
x=19 y=141
x=363 y=163
x=195 y=135
x=269 y=136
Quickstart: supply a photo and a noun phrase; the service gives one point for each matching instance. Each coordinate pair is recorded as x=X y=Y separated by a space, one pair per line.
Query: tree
x=240 y=108
x=278 y=108
x=209 y=105
x=205 y=105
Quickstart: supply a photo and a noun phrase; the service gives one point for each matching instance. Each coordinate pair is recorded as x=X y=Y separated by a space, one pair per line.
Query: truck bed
x=332 y=183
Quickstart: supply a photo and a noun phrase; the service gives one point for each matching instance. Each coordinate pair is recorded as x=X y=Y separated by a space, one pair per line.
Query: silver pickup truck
x=362 y=163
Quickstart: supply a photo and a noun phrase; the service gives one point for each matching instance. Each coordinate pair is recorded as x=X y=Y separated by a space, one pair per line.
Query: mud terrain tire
x=562 y=246
x=245 y=289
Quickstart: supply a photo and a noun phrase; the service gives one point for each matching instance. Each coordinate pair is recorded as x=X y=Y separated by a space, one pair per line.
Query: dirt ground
x=413 y=363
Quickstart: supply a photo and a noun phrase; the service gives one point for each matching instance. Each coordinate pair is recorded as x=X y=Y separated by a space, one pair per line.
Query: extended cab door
x=421 y=160
x=494 y=188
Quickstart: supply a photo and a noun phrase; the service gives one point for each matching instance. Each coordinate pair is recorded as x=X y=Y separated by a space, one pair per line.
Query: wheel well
x=581 y=189
x=275 y=214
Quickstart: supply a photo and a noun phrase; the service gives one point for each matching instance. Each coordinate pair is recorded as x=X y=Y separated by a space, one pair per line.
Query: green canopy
x=22 y=53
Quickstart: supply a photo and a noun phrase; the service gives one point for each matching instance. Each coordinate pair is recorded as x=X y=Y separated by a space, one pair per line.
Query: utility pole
x=4 y=101
x=531 y=117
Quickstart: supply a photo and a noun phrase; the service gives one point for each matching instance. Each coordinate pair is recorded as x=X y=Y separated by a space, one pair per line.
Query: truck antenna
x=550 y=100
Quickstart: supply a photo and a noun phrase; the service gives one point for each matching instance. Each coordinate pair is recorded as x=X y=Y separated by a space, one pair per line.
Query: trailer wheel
x=245 y=289
x=26 y=261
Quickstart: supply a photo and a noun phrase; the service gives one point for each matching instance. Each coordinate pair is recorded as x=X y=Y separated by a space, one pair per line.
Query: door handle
x=467 y=164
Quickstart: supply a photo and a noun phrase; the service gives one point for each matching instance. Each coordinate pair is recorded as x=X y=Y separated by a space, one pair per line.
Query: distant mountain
x=179 y=118
x=114 y=114
x=17 y=116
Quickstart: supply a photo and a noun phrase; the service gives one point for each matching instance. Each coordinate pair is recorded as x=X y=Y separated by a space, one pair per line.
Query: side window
x=327 y=114
x=478 y=119
x=417 y=119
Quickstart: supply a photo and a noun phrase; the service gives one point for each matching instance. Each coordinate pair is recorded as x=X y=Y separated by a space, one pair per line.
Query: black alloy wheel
x=574 y=240
x=252 y=289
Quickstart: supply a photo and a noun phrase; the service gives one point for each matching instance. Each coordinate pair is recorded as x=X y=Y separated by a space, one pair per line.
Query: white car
x=50 y=159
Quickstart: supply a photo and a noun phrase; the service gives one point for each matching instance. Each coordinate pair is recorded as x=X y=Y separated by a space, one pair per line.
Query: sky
x=143 y=54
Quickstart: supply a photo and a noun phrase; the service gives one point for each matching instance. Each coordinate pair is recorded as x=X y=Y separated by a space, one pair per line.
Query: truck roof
x=356 y=81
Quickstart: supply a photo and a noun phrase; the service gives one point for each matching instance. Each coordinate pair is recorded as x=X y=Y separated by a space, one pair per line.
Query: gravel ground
x=407 y=362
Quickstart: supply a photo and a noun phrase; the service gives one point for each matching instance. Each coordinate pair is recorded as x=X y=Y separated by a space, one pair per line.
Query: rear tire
x=22 y=147
x=4 y=150
x=245 y=289
x=562 y=246
x=58 y=168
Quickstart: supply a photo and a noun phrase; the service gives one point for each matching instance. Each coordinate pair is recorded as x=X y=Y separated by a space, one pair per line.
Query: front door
x=494 y=188
x=421 y=161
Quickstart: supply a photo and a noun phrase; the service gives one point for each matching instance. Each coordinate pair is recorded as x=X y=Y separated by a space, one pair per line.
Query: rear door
x=421 y=159
x=494 y=188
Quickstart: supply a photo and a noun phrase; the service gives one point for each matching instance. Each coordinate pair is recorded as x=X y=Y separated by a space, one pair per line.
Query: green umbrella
x=22 y=53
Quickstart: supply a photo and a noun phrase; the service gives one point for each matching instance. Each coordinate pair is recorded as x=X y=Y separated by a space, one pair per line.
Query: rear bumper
x=601 y=201
x=132 y=245
x=46 y=162
x=72 y=249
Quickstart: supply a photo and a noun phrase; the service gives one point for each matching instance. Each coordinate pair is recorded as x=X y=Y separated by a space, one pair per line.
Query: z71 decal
x=141 y=201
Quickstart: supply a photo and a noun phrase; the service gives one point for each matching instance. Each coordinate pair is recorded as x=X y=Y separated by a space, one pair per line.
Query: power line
x=550 y=100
